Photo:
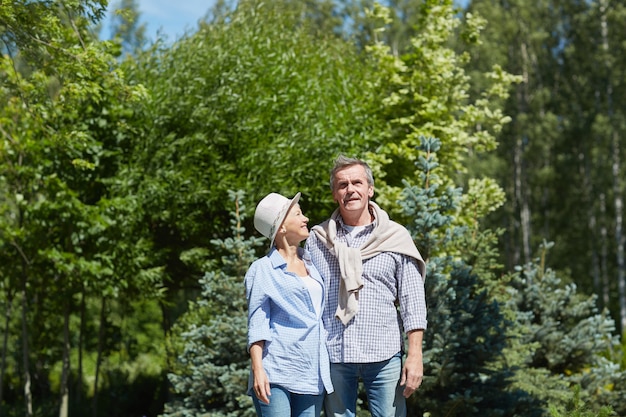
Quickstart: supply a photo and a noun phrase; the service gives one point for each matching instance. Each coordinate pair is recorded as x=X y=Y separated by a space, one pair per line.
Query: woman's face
x=295 y=225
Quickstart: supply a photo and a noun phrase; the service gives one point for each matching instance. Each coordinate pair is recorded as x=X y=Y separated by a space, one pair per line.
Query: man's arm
x=413 y=369
x=412 y=298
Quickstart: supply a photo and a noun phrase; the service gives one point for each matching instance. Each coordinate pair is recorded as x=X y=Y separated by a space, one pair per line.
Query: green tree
x=256 y=99
x=552 y=159
x=207 y=345
x=577 y=408
x=67 y=237
x=465 y=317
x=524 y=39
x=572 y=343
x=126 y=26
x=426 y=96
x=592 y=104
x=533 y=339
x=403 y=26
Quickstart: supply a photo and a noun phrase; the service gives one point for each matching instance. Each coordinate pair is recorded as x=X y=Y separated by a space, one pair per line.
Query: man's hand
x=413 y=368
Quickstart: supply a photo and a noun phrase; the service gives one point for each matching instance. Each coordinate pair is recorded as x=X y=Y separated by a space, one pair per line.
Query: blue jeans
x=382 y=386
x=286 y=404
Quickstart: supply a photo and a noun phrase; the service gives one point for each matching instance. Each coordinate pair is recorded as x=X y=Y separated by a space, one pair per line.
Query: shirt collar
x=345 y=230
x=279 y=262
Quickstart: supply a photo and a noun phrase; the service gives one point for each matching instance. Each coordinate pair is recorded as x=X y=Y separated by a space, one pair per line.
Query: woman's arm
x=261 y=383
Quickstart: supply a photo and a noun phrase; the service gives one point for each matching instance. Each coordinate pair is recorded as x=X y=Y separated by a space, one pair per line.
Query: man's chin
x=352 y=205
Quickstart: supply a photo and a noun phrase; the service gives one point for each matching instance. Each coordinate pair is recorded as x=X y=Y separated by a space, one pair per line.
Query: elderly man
x=371 y=267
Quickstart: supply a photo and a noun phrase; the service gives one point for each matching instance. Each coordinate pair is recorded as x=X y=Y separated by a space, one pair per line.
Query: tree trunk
x=79 y=368
x=5 y=338
x=28 y=397
x=99 y=356
x=521 y=179
x=596 y=273
x=618 y=198
x=63 y=389
x=619 y=232
x=606 y=285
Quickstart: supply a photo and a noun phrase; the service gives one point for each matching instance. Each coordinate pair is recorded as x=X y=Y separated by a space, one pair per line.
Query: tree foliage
x=531 y=338
x=116 y=171
x=465 y=317
x=125 y=26
x=255 y=99
x=67 y=236
x=428 y=97
x=209 y=341
x=553 y=160
x=573 y=344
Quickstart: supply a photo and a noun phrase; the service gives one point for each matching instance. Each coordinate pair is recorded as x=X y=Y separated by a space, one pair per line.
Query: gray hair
x=342 y=162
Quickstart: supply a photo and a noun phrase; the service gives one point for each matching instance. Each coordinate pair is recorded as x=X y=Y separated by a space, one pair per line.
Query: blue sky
x=171 y=17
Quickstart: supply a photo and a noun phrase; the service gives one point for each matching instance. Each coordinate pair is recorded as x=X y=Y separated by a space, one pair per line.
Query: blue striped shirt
x=390 y=280
x=281 y=312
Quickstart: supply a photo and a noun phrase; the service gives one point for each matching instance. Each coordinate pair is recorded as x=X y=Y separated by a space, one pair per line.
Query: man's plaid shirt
x=391 y=301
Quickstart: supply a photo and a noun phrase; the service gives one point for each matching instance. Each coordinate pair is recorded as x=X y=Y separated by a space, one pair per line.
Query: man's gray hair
x=342 y=162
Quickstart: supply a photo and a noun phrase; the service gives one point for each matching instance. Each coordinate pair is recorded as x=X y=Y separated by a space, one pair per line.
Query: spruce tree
x=208 y=343
x=500 y=344
x=467 y=327
x=574 y=354
x=524 y=343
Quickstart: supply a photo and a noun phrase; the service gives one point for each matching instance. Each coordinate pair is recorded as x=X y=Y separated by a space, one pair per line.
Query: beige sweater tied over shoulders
x=388 y=236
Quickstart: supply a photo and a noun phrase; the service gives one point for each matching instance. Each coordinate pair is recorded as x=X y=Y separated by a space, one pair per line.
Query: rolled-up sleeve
x=411 y=295
x=258 y=307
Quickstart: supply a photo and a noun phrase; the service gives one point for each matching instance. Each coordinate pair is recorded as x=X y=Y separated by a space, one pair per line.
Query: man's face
x=351 y=190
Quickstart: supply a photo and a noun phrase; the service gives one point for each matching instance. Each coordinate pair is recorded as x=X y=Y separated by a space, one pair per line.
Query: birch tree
x=563 y=149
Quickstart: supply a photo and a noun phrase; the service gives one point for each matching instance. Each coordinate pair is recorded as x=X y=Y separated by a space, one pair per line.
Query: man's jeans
x=286 y=404
x=382 y=385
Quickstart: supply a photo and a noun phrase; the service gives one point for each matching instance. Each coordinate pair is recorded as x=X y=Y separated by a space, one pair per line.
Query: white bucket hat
x=271 y=212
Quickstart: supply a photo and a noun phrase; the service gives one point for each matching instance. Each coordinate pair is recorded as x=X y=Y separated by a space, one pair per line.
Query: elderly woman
x=286 y=339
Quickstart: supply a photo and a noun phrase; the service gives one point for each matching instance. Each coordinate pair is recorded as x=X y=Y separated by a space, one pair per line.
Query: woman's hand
x=261 y=383
x=261 y=386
